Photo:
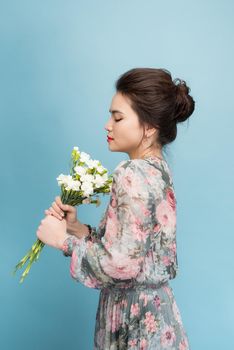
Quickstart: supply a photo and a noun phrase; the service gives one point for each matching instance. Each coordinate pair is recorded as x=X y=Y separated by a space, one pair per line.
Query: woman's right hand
x=58 y=209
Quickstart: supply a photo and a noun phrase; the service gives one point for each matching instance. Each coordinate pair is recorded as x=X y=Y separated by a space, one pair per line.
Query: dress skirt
x=143 y=317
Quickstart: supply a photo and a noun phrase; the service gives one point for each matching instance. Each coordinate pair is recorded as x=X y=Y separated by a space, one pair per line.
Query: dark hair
x=158 y=100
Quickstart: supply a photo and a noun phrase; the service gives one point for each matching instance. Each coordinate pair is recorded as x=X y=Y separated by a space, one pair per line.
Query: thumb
x=68 y=207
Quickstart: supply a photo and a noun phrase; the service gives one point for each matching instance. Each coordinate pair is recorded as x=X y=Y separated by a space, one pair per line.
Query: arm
x=100 y=260
x=81 y=230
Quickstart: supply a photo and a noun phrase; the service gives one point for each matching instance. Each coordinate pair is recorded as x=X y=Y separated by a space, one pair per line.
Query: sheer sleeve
x=99 y=260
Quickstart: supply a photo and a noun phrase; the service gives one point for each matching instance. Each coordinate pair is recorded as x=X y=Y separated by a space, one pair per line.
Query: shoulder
x=130 y=178
x=129 y=165
x=132 y=172
x=150 y=172
x=138 y=167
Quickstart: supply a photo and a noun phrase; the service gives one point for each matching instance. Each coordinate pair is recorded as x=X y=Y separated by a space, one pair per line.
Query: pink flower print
x=157 y=301
x=168 y=336
x=91 y=283
x=124 y=303
x=89 y=244
x=111 y=225
x=170 y=197
x=150 y=322
x=165 y=214
x=152 y=172
x=113 y=201
x=144 y=209
x=73 y=265
x=132 y=342
x=156 y=228
x=146 y=181
x=138 y=232
x=135 y=309
x=149 y=254
x=143 y=344
x=111 y=213
x=166 y=260
x=127 y=181
x=145 y=297
x=168 y=291
x=176 y=312
x=101 y=337
x=108 y=244
x=172 y=248
x=183 y=345
x=65 y=246
x=120 y=266
x=115 y=322
x=131 y=183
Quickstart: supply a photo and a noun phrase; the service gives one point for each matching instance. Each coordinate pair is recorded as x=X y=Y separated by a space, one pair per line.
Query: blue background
x=58 y=64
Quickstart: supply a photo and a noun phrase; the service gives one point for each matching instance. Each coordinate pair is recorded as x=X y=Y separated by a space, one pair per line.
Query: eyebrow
x=115 y=111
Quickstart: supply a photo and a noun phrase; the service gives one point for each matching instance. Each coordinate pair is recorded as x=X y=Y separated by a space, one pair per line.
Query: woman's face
x=123 y=126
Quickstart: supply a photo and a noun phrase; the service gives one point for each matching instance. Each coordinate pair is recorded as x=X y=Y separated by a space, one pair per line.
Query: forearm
x=79 y=230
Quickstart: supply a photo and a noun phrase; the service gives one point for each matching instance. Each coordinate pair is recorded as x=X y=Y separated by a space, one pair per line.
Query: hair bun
x=184 y=102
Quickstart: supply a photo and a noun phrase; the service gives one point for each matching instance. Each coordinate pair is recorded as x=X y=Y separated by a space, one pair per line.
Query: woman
x=132 y=255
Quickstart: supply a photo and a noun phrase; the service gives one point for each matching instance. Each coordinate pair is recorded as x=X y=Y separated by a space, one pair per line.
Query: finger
x=54 y=213
x=58 y=198
x=65 y=207
x=57 y=209
x=58 y=201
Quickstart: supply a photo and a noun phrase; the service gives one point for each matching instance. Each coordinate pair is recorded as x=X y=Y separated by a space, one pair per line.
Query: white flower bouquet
x=87 y=180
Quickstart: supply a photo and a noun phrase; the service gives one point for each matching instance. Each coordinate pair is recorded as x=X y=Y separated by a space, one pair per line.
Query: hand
x=52 y=231
x=58 y=208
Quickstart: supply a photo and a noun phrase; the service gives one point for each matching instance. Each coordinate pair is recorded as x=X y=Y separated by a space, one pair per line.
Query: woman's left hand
x=52 y=231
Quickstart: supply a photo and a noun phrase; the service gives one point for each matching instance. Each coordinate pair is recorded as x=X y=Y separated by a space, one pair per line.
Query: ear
x=150 y=130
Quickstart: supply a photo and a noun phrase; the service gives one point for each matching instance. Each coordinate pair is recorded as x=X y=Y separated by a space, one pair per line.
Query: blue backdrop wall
x=58 y=64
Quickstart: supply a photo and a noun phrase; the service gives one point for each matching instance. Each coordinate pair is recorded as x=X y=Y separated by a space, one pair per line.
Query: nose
x=107 y=126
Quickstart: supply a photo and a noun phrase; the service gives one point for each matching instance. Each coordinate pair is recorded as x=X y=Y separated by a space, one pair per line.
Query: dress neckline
x=153 y=157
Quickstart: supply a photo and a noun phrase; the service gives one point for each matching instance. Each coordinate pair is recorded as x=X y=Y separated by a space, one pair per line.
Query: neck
x=156 y=153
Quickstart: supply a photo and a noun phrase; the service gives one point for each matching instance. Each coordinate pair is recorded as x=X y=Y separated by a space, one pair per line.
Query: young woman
x=132 y=255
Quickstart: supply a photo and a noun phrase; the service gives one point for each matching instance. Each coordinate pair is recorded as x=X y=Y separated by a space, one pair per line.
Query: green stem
x=32 y=256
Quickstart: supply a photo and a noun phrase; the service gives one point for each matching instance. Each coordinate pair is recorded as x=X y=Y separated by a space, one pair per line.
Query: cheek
x=127 y=133
x=132 y=134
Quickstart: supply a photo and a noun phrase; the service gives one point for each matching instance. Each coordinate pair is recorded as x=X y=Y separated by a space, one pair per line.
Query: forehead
x=120 y=104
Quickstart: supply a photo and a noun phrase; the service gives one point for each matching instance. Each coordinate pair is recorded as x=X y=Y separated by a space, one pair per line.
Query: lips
x=109 y=138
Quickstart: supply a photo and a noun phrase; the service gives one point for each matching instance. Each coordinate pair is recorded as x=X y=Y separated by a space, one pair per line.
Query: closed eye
x=118 y=120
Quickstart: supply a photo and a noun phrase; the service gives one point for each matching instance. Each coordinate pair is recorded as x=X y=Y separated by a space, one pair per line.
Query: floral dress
x=130 y=257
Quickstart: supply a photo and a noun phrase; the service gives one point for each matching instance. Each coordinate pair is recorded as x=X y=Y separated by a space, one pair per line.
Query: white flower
x=61 y=179
x=64 y=179
x=76 y=185
x=99 y=181
x=87 y=188
x=87 y=178
x=76 y=148
x=73 y=184
x=84 y=157
x=96 y=162
x=100 y=169
x=92 y=163
x=68 y=182
x=80 y=170
x=105 y=177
